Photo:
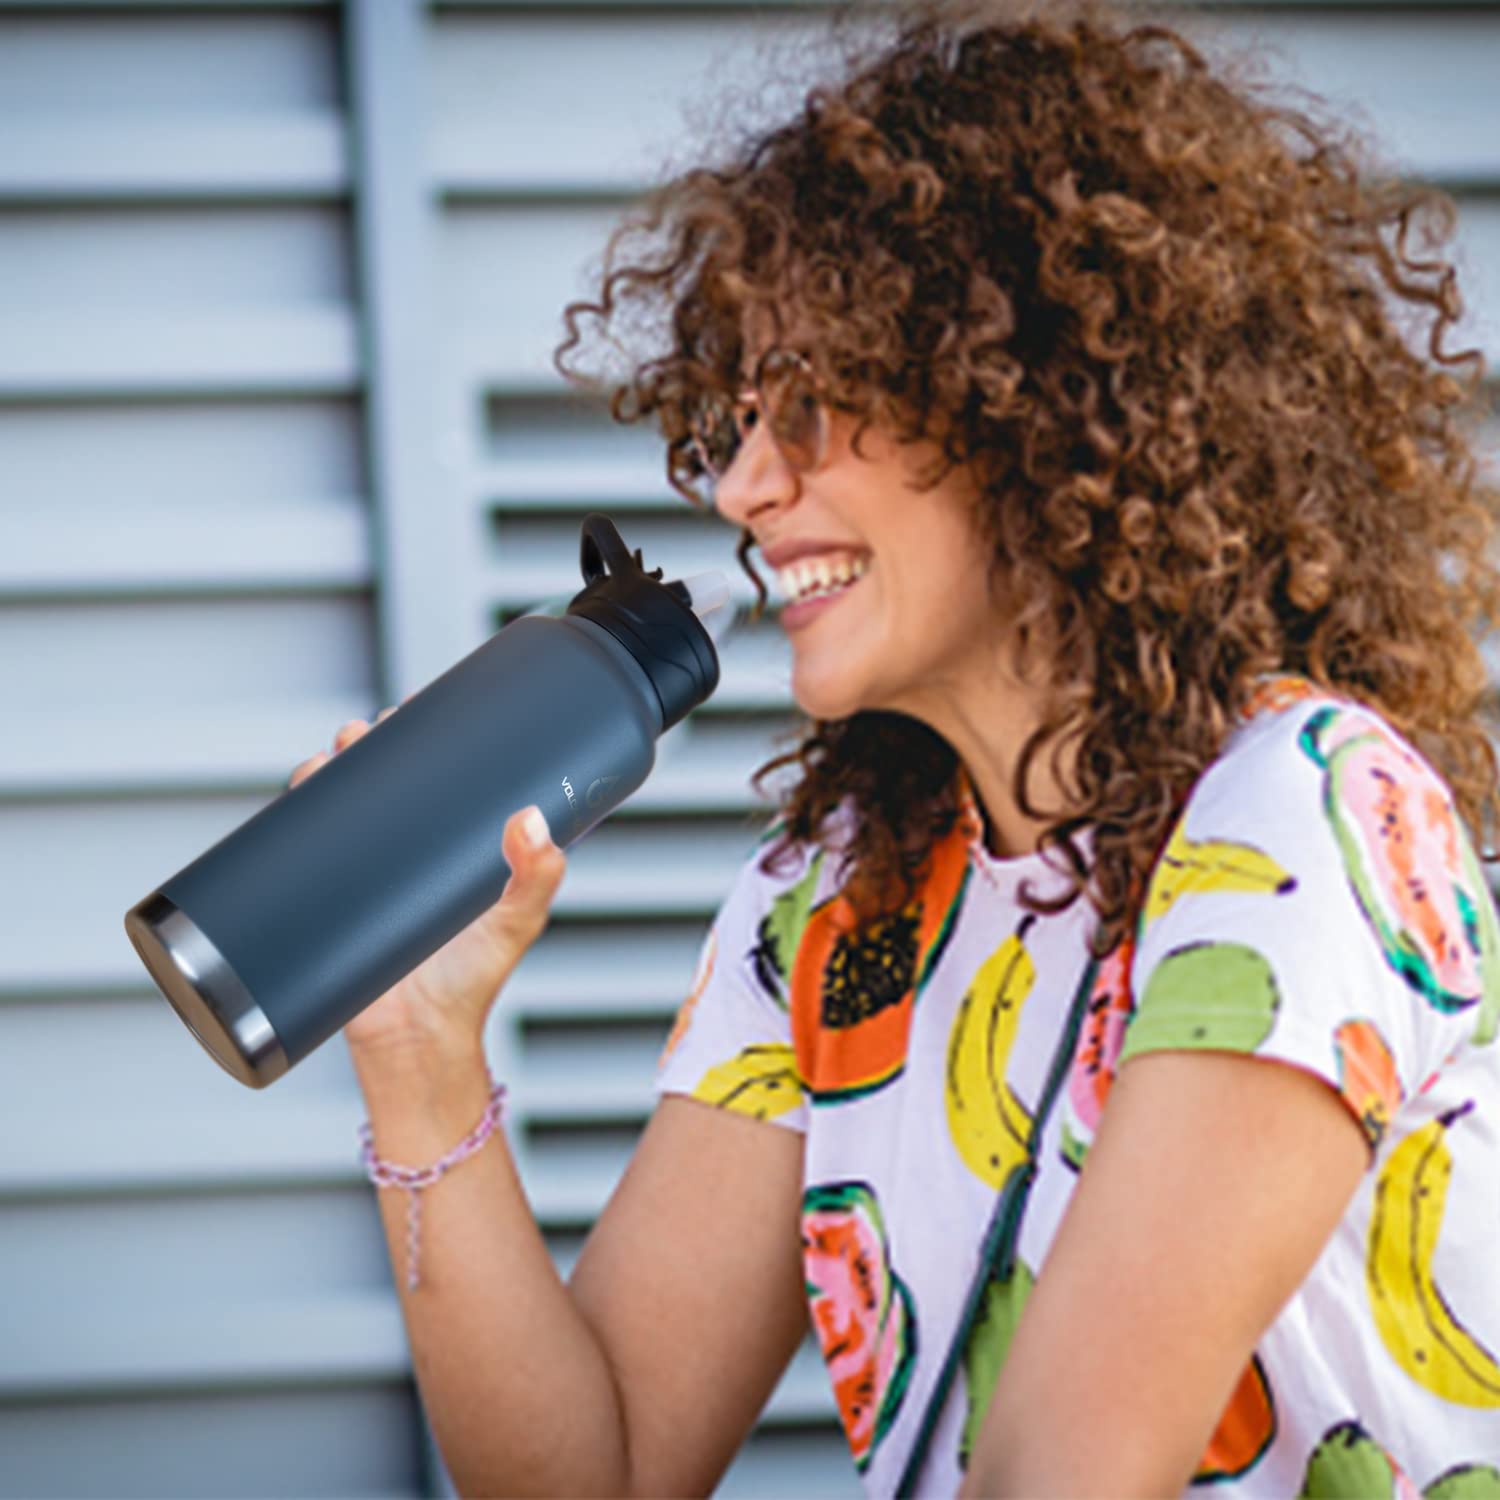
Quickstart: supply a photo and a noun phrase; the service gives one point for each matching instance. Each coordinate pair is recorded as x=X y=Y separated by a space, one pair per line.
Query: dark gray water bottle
x=282 y=932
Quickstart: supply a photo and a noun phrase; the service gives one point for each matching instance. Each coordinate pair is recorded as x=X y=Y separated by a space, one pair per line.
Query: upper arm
x=1212 y=1185
x=692 y=1282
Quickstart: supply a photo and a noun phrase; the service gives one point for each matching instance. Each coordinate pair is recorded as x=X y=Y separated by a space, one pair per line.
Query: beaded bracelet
x=414 y=1179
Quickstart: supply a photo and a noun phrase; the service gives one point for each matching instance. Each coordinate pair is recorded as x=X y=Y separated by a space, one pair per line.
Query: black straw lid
x=669 y=628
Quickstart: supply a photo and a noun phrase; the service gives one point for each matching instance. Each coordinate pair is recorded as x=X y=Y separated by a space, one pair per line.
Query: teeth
x=811 y=576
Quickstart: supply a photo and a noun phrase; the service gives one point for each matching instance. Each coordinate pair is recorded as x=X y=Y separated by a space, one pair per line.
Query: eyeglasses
x=787 y=392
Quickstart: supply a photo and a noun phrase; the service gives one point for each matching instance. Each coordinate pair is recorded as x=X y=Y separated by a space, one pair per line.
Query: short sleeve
x=1320 y=903
x=731 y=1045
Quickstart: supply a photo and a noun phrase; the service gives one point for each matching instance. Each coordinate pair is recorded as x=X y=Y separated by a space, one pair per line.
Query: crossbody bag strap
x=997 y=1251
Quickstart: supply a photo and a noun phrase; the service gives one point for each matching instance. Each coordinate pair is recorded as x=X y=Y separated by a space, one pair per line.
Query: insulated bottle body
x=277 y=936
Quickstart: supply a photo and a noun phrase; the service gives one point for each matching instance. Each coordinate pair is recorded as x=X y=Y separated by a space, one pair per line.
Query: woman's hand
x=442 y=1004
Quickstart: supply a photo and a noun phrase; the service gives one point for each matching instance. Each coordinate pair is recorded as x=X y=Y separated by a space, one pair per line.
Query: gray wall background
x=279 y=442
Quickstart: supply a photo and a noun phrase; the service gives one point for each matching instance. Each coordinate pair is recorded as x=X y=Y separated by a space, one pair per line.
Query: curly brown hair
x=1159 y=313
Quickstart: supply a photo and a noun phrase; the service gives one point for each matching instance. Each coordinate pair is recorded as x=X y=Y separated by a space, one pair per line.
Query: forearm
x=518 y=1391
x=1107 y=1444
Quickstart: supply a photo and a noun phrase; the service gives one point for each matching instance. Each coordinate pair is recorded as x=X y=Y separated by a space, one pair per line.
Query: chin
x=830 y=700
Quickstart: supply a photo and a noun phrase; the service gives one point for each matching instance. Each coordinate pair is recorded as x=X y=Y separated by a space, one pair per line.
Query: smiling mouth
x=824 y=590
x=793 y=610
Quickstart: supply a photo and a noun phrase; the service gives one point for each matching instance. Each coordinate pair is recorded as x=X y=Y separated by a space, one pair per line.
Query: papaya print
x=1187 y=866
x=1367 y=1076
x=688 y=1006
x=988 y=1343
x=1099 y=1042
x=780 y=932
x=1246 y=1429
x=760 y=1082
x=1422 y=1333
x=852 y=992
x=1402 y=847
x=861 y=1310
x=1213 y=995
x=988 y=1123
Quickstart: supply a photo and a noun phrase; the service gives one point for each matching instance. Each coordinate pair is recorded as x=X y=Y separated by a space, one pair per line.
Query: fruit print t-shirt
x=1317 y=903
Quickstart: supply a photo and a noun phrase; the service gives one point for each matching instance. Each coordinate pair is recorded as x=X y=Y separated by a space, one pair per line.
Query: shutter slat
x=290 y=154
x=143 y=1345
x=311 y=350
x=279 y=543
x=636 y=482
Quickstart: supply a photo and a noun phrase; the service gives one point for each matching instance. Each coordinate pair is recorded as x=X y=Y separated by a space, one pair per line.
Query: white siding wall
x=280 y=441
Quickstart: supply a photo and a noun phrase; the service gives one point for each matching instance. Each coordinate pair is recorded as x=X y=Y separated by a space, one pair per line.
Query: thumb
x=520 y=916
x=536 y=863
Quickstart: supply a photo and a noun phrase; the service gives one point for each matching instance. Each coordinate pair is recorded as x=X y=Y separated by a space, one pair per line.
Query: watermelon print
x=1487 y=921
x=1099 y=1042
x=861 y=1310
x=1401 y=843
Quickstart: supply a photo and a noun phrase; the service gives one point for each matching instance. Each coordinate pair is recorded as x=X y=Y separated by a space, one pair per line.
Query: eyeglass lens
x=787 y=395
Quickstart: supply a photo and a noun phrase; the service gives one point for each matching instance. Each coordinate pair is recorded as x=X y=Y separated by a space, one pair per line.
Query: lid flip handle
x=602 y=543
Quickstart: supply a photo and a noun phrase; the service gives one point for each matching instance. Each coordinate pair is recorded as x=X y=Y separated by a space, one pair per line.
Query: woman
x=1143 y=753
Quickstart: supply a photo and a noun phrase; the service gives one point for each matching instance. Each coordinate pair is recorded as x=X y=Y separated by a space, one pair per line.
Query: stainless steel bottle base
x=208 y=995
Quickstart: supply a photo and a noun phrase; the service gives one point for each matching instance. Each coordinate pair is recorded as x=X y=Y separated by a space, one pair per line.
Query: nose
x=759 y=479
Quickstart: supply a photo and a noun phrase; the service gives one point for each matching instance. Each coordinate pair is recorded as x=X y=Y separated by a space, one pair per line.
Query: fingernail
x=534 y=828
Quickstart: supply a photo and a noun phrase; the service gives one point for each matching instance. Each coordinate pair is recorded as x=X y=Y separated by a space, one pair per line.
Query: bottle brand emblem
x=599 y=789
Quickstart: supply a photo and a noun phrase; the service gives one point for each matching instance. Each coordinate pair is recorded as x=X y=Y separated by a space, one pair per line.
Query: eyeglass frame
x=755 y=387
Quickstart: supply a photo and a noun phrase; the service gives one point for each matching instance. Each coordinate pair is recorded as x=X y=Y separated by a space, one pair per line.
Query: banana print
x=761 y=1082
x=988 y=1124
x=1414 y=1320
x=1213 y=865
